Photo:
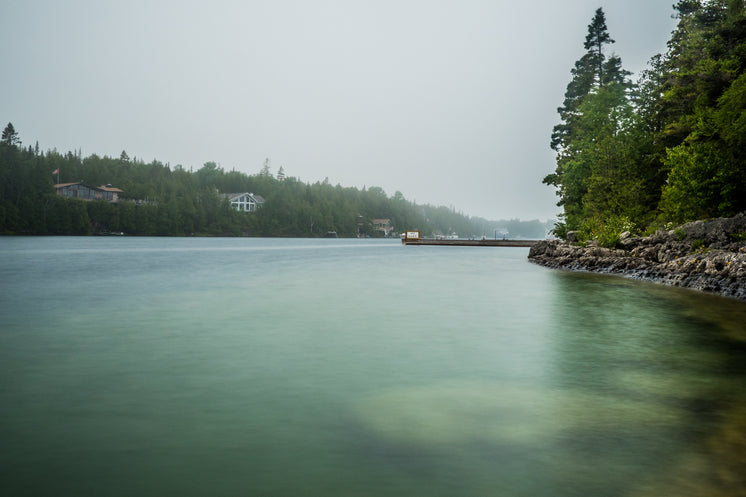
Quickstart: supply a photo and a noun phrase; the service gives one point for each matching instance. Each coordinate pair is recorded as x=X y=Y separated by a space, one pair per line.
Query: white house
x=244 y=202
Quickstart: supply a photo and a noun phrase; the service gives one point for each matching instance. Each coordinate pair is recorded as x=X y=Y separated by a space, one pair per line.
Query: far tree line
x=162 y=200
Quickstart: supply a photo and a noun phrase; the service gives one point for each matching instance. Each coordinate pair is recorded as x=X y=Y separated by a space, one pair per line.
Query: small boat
x=331 y=234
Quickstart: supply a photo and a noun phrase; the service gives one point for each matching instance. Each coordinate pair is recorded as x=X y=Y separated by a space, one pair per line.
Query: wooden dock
x=459 y=242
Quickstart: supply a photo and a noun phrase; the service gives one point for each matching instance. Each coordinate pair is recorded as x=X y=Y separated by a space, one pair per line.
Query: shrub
x=560 y=230
x=607 y=231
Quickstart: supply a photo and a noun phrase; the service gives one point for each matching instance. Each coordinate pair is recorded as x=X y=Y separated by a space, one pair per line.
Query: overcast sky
x=451 y=102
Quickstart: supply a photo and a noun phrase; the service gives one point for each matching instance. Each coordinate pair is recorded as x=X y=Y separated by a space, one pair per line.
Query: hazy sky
x=451 y=102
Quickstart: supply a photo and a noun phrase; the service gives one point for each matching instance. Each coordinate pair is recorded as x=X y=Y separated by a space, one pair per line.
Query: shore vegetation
x=665 y=149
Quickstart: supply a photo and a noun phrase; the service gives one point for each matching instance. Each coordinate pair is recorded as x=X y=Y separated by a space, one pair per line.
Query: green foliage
x=605 y=231
x=595 y=40
x=706 y=175
x=693 y=182
x=668 y=149
x=10 y=136
x=560 y=230
x=595 y=177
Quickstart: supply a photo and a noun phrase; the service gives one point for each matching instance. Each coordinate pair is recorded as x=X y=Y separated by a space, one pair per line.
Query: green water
x=149 y=366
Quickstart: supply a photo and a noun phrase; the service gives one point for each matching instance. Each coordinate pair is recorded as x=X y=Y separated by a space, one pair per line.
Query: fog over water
x=449 y=102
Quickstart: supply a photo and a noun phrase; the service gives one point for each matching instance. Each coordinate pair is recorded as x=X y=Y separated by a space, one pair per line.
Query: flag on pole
x=56 y=171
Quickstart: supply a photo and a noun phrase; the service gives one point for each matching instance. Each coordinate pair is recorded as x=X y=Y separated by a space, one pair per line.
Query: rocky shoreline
x=708 y=256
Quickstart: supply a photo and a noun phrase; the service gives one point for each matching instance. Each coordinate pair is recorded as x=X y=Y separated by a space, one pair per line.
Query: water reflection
x=635 y=390
x=686 y=361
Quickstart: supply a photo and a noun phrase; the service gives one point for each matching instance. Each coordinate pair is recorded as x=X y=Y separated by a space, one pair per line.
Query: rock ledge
x=709 y=256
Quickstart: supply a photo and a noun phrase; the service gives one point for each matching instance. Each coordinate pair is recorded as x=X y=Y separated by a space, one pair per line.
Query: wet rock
x=706 y=255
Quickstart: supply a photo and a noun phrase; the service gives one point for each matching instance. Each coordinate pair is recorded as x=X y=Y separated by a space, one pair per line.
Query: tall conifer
x=594 y=109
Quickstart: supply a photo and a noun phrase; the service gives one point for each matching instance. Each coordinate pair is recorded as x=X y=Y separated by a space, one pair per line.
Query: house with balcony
x=383 y=225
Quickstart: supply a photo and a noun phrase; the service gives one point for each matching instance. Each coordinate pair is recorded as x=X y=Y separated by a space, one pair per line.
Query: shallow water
x=276 y=367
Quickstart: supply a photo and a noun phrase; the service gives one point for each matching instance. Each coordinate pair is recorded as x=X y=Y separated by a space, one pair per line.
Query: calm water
x=223 y=367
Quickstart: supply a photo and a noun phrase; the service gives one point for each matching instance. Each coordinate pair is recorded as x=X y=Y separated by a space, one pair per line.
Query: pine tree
x=10 y=136
x=591 y=71
x=266 y=171
x=595 y=41
x=587 y=140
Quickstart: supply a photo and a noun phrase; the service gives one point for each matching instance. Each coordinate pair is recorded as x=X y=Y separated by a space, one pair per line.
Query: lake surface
x=289 y=367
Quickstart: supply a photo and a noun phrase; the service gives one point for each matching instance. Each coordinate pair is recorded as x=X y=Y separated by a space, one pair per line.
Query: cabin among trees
x=383 y=226
x=81 y=191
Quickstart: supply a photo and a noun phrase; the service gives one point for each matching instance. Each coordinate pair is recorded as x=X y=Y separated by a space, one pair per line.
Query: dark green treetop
x=595 y=41
x=593 y=177
x=591 y=71
x=10 y=136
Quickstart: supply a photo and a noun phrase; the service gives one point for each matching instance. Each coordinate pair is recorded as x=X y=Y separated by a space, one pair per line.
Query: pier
x=458 y=242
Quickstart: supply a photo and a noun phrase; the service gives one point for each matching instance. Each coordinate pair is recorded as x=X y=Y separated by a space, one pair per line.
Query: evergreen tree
x=704 y=111
x=595 y=41
x=595 y=111
x=667 y=149
x=10 y=136
x=265 y=168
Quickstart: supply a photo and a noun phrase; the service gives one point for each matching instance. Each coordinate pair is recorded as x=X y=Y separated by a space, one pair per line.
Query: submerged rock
x=463 y=413
x=709 y=256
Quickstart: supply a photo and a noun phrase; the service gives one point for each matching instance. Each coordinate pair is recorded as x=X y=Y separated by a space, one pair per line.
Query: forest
x=160 y=200
x=665 y=149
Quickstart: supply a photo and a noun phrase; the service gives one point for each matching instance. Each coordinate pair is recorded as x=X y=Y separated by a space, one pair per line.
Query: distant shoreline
x=709 y=256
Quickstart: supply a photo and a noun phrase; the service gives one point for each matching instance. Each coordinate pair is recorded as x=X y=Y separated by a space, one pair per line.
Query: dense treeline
x=174 y=201
x=666 y=149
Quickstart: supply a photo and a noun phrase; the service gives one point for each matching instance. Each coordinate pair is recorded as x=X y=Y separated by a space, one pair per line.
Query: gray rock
x=708 y=255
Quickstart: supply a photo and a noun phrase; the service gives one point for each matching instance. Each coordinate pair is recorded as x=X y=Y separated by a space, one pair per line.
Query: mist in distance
x=450 y=103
